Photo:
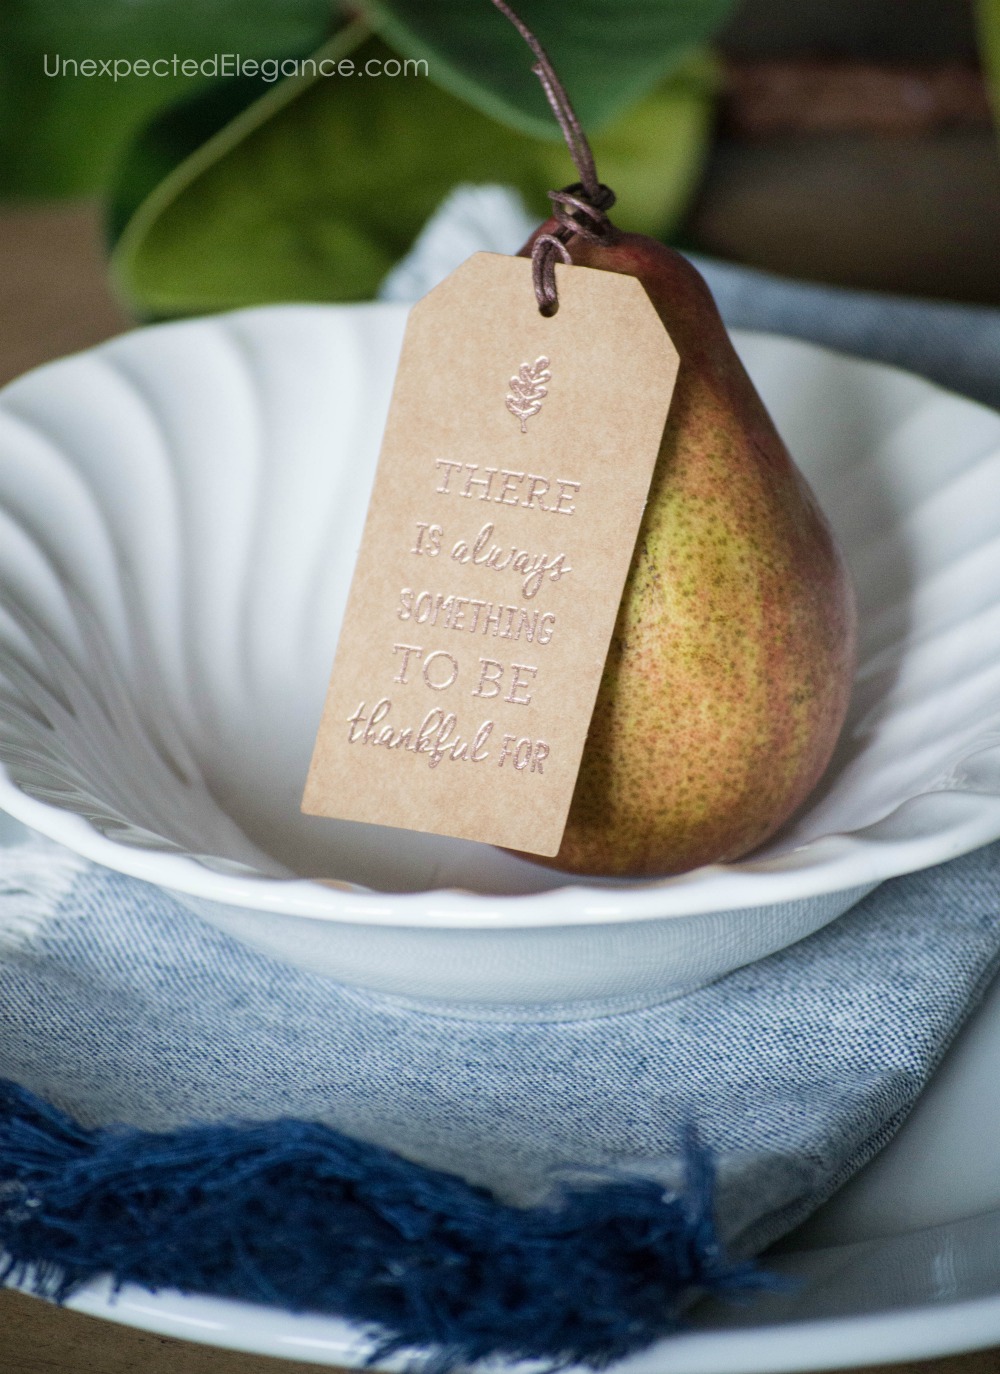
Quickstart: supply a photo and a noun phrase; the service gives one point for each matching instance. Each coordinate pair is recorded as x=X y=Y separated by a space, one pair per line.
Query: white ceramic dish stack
x=180 y=511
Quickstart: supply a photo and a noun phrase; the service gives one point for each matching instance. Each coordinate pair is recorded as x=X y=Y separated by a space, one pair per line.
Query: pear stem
x=555 y=92
x=579 y=208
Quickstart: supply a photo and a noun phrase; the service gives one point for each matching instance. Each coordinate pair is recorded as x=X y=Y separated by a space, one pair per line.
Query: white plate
x=904 y=1263
x=179 y=516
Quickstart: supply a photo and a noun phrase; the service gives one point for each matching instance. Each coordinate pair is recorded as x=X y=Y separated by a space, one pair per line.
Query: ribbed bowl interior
x=180 y=513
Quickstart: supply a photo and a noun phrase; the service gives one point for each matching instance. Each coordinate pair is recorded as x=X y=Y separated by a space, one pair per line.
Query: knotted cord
x=580 y=209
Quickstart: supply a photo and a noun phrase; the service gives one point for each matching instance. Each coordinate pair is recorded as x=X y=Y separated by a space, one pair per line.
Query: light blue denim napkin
x=957 y=346
x=119 y=1005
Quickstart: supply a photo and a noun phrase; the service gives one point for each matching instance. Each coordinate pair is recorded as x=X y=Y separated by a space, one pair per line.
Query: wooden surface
x=53 y=294
x=918 y=216
x=36 y=1338
x=53 y=300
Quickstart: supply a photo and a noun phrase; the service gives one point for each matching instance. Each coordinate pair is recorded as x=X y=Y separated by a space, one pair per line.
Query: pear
x=729 y=671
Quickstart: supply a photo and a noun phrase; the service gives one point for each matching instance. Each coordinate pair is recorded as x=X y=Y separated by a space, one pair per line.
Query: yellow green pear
x=730 y=668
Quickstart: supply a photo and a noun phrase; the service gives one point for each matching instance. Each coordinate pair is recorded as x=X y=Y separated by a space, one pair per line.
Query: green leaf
x=170 y=138
x=988 y=18
x=63 y=133
x=608 y=53
x=317 y=190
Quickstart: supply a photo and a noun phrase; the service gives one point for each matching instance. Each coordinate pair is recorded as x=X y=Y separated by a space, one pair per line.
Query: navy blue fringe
x=294 y=1214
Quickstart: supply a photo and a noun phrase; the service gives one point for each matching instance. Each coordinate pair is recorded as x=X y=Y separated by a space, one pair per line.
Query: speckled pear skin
x=730 y=668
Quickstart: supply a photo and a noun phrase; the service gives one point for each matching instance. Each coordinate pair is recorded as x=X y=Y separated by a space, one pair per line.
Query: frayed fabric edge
x=295 y=1215
x=35 y=879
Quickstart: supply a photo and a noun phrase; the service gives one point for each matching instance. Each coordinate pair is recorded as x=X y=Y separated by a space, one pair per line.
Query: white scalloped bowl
x=180 y=511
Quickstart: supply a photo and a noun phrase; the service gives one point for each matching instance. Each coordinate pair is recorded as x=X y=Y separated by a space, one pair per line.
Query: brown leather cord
x=579 y=208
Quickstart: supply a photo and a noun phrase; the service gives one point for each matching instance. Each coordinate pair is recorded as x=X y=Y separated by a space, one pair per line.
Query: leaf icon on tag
x=528 y=390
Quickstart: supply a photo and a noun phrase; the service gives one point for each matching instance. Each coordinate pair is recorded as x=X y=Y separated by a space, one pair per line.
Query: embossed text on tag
x=515 y=465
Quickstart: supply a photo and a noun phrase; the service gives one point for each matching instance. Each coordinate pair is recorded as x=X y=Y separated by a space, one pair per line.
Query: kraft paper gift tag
x=514 y=470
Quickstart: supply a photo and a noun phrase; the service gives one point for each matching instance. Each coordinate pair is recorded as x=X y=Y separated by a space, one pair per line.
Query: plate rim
x=915 y=1332
x=852 y=863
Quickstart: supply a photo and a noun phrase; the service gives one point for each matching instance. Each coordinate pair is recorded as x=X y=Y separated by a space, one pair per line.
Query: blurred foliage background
x=846 y=140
